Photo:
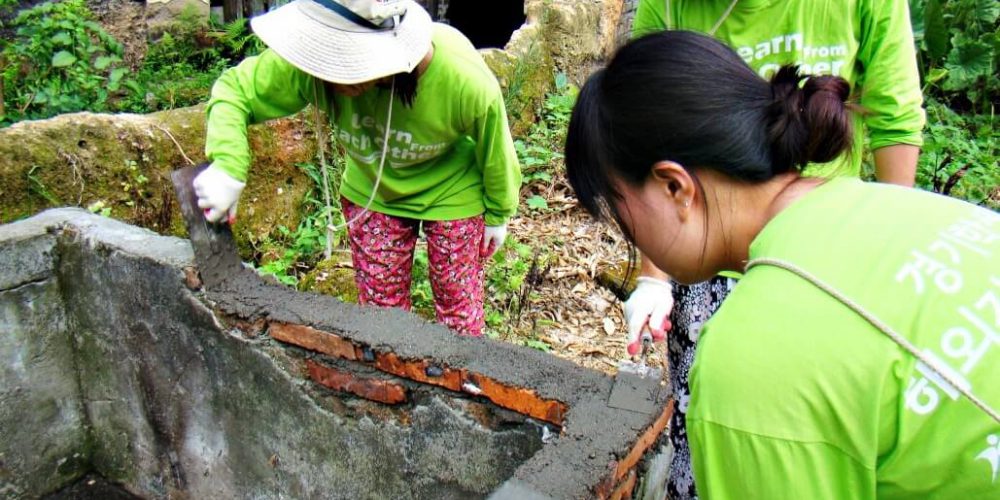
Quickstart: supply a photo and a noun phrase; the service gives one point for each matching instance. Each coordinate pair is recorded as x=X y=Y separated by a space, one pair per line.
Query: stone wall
x=122 y=357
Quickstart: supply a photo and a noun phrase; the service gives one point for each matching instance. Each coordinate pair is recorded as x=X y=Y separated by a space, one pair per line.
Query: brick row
x=521 y=400
x=382 y=391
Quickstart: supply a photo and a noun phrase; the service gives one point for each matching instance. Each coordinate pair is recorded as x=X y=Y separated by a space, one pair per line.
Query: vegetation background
x=55 y=57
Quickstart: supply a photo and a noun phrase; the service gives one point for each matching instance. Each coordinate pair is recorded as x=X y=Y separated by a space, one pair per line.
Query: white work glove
x=217 y=194
x=649 y=304
x=493 y=238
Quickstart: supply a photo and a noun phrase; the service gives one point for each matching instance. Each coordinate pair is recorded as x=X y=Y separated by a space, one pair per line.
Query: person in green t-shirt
x=869 y=43
x=858 y=355
x=422 y=121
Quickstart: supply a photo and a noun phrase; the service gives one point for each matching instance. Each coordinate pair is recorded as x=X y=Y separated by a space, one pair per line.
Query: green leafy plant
x=958 y=49
x=60 y=61
x=299 y=250
x=959 y=156
x=513 y=276
x=536 y=202
x=421 y=294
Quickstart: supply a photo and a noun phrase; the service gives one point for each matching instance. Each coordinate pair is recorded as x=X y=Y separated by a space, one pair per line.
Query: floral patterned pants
x=382 y=249
x=693 y=305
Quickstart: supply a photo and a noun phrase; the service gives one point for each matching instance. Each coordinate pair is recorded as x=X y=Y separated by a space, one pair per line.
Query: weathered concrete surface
x=599 y=445
x=136 y=380
x=123 y=161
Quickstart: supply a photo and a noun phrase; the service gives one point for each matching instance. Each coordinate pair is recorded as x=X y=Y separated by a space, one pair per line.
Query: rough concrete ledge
x=599 y=447
x=169 y=370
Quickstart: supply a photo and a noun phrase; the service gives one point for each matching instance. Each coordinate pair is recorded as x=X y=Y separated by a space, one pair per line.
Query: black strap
x=354 y=17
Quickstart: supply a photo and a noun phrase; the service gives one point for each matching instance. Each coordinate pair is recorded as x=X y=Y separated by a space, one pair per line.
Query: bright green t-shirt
x=796 y=396
x=449 y=156
x=869 y=43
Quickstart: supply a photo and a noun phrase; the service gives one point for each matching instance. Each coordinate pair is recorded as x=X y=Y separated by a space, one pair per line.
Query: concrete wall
x=119 y=358
x=109 y=363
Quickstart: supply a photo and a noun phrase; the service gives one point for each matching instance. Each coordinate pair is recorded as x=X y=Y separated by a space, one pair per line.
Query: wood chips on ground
x=577 y=318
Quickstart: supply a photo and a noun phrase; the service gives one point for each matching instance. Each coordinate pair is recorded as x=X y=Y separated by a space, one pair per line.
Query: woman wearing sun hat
x=423 y=123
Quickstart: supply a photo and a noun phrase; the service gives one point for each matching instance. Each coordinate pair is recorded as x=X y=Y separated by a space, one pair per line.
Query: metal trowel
x=637 y=385
x=214 y=248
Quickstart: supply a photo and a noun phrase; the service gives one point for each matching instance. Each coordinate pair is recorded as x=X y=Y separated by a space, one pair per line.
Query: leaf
x=935 y=32
x=62 y=38
x=116 y=75
x=936 y=75
x=967 y=61
x=537 y=344
x=62 y=59
x=987 y=11
x=103 y=62
x=561 y=80
x=609 y=326
x=536 y=202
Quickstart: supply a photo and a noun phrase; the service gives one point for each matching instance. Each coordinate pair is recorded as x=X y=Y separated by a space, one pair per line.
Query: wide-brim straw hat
x=348 y=41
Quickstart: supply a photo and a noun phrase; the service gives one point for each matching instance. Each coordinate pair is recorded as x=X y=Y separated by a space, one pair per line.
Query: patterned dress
x=693 y=305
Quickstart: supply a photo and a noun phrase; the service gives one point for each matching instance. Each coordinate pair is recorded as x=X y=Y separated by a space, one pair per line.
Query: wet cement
x=594 y=434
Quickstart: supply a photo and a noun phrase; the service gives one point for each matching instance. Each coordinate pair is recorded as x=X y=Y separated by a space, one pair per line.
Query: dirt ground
x=125 y=20
x=579 y=319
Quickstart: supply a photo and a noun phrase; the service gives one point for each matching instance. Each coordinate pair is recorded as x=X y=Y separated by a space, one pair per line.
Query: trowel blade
x=214 y=248
x=636 y=388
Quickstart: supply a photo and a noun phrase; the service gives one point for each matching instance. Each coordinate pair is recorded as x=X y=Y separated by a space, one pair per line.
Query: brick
x=606 y=486
x=382 y=391
x=417 y=371
x=524 y=401
x=624 y=488
x=315 y=340
x=644 y=442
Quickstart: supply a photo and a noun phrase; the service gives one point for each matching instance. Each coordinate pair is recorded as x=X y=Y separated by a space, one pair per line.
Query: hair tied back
x=808 y=122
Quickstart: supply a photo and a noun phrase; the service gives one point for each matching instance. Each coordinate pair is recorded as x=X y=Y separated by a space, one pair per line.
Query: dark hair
x=685 y=97
x=406 y=87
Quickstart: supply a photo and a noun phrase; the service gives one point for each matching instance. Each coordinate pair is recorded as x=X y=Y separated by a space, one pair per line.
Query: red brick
x=382 y=391
x=416 y=370
x=315 y=340
x=624 y=488
x=644 y=442
x=606 y=486
x=524 y=401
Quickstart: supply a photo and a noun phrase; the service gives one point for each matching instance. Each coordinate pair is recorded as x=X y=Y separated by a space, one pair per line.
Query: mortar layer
x=594 y=435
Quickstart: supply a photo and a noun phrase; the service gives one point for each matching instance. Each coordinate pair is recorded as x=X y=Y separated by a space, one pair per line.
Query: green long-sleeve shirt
x=449 y=156
x=796 y=396
x=867 y=42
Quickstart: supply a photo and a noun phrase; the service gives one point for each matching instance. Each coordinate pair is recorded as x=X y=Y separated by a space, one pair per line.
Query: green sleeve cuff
x=892 y=138
x=491 y=219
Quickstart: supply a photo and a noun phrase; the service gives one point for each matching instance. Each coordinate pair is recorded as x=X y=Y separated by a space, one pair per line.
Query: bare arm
x=896 y=164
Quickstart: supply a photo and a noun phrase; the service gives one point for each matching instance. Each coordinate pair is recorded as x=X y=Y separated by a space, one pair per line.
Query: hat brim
x=340 y=55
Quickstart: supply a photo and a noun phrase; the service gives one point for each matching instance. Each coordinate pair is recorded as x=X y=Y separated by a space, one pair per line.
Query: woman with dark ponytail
x=858 y=355
x=867 y=43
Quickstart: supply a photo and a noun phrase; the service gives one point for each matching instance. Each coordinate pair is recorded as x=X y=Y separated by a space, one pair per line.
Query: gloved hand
x=217 y=194
x=492 y=240
x=649 y=304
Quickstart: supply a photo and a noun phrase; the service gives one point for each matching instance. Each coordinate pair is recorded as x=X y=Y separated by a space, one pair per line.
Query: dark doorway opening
x=487 y=24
